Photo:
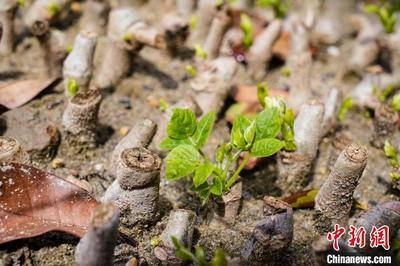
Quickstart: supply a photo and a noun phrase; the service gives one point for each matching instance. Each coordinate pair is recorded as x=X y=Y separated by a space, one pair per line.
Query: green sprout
x=193 y=21
x=395 y=104
x=199 y=52
x=21 y=3
x=386 y=13
x=394 y=159
x=270 y=131
x=347 y=104
x=219 y=3
x=69 y=49
x=280 y=7
x=163 y=105
x=191 y=70
x=286 y=72
x=54 y=8
x=262 y=93
x=247 y=27
x=382 y=94
x=198 y=257
x=128 y=37
x=73 y=88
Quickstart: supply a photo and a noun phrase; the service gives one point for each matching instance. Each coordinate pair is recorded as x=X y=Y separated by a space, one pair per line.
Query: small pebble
x=152 y=102
x=333 y=51
x=123 y=131
x=98 y=167
x=57 y=163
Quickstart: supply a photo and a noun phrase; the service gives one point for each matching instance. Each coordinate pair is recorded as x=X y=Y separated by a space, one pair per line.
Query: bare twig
x=78 y=66
x=97 y=246
x=332 y=104
x=334 y=200
x=7 y=14
x=54 y=49
x=294 y=167
x=94 y=17
x=213 y=82
x=385 y=125
x=180 y=225
x=261 y=51
x=218 y=28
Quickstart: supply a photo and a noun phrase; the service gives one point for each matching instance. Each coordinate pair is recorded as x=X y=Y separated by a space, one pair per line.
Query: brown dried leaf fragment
x=33 y=202
x=16 y=93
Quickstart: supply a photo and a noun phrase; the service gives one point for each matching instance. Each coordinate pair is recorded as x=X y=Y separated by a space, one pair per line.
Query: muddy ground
x=155 y=75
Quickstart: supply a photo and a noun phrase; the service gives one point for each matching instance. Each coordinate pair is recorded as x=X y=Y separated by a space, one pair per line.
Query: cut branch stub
x=385 y=125
x=295 y=166
x=7 y=15
x=12 y=151
x=140 y=135
x=275 y=231
x=78 y=66
x=81 y=116
x=387 y=213
x=138 y=167
x=335 y=198
x=97 y=245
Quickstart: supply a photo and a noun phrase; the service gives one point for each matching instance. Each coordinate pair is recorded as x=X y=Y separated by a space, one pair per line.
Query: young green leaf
x=202 y=173
x=200 y=255
x=247 y=27
x=163 y=105
x=268 y=123
x=395 y=104
x=266 y=147
x=219 y=258
x=203 y=129
x=217 y=187
x=250 y=133
x=182 y=252
x=200 y=53
x=347 y=104
x=237 y=135
x=72 y=88
x=262 y=92
x=182 y=124
x=191 y=70
x=169 y=143
x=182 y=161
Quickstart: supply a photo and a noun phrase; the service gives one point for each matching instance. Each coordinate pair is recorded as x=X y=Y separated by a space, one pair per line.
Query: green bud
x=250 y=133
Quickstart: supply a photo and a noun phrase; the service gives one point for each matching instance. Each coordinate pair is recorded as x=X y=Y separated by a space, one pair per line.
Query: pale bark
x=213 y=82
x=140 y=135
x=78 y=65
x=54 y=49
x=96 y=248
x=385 y=125
x=94 y=17
x=331 y=106
x=261 y=51
x=80 y=119
x=335 y=198
x=219 y=26
x=295 y=166
x=7 y=15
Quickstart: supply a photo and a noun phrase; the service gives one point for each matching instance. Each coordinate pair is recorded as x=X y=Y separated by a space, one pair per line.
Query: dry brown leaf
x=16 y=93
x=33 y=202
x=248 y=93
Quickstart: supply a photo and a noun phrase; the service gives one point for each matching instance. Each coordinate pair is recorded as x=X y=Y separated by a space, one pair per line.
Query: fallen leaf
x=33 y=202
x=248 y=93
x=302 y=199
x=16 y=93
